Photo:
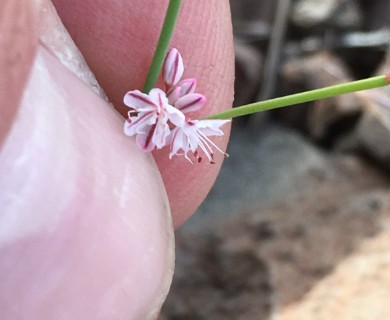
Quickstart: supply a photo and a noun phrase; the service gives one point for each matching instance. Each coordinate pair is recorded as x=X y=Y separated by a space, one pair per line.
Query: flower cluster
x=158 y=119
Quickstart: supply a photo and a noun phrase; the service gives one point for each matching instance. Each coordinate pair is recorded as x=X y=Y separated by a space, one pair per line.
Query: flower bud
x=173 y=67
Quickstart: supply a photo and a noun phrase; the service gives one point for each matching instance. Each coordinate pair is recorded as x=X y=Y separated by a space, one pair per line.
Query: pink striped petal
x=160 y=135
x=175 y=116
x=177 y=141
x=191 y=102
x=173 y=95
x=160 y=99
x=173 y=67
x=137 y=100
x=187 y=86
x=135 y=125
x=211 y=127
x=144 y=142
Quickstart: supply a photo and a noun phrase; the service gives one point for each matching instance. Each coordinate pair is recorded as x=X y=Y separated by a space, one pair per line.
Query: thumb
x=85 y=230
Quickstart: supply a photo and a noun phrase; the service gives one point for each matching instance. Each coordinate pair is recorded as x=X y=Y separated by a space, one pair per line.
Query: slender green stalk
x=162 y=45
x=349 y=87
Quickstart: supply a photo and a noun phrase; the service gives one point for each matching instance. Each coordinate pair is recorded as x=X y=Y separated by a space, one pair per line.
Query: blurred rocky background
x=298 y=224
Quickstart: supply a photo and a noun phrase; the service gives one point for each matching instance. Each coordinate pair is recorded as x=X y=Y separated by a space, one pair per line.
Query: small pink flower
x=149 y=118
x=193 y=134
x=157 y=119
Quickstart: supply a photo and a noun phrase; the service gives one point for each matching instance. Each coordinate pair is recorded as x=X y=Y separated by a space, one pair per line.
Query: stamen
x=212 y=159
x=186 y=156
x=205 y=151
x=196 y=154
x=201 y=138
x=212 y=143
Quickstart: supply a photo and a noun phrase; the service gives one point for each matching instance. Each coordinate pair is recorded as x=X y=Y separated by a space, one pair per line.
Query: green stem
x=162 y=45
x=349 y=87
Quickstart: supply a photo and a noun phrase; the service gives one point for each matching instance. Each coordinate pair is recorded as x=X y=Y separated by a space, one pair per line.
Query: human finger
x=118 y=40
x=84 y=233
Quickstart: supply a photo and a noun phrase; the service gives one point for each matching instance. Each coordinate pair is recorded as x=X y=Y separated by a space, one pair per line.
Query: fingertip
x=205 y=39
x=118 y=42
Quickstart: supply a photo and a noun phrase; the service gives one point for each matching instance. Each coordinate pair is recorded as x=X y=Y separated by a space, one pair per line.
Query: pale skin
x=86 y=219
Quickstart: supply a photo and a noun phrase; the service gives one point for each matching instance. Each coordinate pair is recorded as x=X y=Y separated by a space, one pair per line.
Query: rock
x=348 y=16
x=293 y=231
x=209 y=282
x=374 y=138
x=322 y=233
x=375 y=12
x=249 y=65
x=252 y=18
x=358 y=288
x=345 y=14
x=319 y=118
x=307 y=13
x=373 y=130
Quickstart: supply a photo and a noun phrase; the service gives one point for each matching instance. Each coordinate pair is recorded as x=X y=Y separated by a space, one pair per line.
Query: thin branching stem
x=163 y=44
x=317 y=94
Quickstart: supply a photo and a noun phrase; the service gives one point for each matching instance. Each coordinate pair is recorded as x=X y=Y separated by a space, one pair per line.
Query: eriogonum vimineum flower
x=157 y=119
x=148 y=119
x=192 y=135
